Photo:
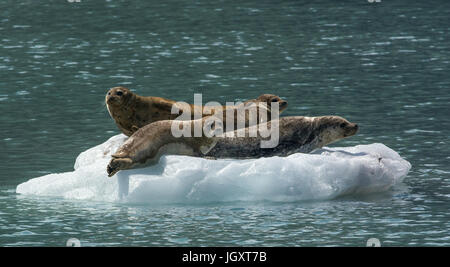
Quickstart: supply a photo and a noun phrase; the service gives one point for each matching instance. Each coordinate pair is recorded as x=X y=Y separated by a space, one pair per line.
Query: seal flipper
x=117 y=164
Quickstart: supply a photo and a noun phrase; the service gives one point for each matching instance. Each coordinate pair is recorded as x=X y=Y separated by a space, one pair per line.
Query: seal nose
x=356 y=126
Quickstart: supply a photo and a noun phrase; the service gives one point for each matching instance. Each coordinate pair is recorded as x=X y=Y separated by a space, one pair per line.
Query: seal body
x=248 y=113
x=150 y=142
x=131 y=111
x=296 y=134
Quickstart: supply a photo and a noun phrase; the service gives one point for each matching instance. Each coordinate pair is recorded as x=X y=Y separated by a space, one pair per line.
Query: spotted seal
x=295 y=134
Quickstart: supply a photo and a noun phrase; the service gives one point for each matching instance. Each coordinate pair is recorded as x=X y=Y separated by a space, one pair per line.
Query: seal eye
x=274 y=100
x=119 y=93
x=342 y=125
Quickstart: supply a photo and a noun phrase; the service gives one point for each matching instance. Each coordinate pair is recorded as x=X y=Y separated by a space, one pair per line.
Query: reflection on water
x=382 y=65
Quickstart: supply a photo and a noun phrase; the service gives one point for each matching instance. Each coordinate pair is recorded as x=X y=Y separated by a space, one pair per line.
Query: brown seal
x=268 y=100
x=296 y=134
x=131 y=111
x=150 y=142
x=248 y=113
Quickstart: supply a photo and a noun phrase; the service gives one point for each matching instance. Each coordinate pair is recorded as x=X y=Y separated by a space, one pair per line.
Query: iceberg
x=324 y=174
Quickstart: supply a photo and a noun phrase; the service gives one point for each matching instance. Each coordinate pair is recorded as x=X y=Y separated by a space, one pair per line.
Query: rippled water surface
x=383 y=65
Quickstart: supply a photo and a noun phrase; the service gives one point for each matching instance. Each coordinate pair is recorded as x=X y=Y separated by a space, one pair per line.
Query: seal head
x=333 y=128
x=118 y=96
x=269 y=99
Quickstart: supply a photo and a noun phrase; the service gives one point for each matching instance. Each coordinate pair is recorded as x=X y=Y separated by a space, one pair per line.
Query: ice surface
x=324 y=174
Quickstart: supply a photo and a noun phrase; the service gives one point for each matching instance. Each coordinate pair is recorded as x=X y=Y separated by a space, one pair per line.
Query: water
x=383 y=65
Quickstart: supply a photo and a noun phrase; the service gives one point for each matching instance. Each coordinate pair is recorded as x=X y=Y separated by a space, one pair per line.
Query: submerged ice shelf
x=325 y=174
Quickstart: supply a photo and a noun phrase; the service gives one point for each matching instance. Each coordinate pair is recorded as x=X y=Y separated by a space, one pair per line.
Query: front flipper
x=117 y=164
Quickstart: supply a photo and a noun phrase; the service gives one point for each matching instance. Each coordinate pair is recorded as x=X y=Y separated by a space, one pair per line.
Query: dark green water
x=383 y=65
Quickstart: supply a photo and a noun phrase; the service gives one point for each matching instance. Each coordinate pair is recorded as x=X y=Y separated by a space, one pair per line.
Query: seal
x=131 y=111
x=296 y=134
x=268 y=100
x=150 y=142
x=248 y=113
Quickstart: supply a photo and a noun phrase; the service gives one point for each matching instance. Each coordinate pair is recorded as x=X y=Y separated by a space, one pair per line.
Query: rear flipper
x=117 y=164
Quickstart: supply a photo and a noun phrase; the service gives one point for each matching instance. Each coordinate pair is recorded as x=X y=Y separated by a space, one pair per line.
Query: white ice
x=324 y=174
